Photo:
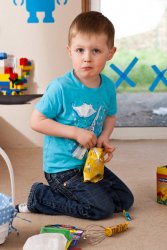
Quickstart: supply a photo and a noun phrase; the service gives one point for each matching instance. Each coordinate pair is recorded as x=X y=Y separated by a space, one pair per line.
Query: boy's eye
x=80 y=50
x=96 y=51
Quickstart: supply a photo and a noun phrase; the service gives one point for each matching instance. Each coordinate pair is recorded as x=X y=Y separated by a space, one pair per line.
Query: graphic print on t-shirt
x=85 y=110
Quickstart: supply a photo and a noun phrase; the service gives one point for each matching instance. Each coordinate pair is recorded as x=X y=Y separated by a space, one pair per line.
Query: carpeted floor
x=135 y=162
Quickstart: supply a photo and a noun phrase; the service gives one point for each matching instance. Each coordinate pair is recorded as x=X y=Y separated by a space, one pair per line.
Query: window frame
x=86 y=5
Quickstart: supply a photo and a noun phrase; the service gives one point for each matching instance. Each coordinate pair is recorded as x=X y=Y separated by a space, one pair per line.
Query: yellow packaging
x=162 y=185
x=94 y=165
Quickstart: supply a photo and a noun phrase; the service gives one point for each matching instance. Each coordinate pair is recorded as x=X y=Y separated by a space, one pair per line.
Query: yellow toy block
x=25 y=68
x=12 y=85
x=20 y=87
x=24 y=73
x=3 y=92
x=4 y=77
x=14 y=93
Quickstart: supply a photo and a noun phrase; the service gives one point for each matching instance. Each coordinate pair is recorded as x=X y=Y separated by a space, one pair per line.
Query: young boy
x=76 y=113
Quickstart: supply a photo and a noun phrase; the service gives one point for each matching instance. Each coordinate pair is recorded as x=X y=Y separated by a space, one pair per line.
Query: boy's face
x=89 y=54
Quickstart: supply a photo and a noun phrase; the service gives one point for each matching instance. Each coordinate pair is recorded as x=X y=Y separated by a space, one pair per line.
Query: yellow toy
x=94 y=234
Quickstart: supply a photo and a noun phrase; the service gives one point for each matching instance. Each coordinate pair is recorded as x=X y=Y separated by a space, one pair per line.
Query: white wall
x=45 y=45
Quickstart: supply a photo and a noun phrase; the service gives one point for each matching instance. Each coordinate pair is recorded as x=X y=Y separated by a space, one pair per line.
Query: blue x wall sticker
x=124 y=75
x=160 y=77
x=46 y=6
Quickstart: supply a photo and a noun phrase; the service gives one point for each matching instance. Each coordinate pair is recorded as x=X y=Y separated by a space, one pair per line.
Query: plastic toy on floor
x=127 y=215
x=71 y=233
x=94 y=234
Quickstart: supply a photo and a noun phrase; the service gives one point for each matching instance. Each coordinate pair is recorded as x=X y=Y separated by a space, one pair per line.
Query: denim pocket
x=60 y=182
x=75 y=178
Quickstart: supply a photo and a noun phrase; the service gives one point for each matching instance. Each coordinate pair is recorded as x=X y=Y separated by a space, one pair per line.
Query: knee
x=129 y=201
x=105 y=212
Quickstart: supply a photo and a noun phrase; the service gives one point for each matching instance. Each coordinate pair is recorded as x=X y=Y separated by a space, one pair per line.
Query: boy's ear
x=69 y=50
x=111 y=53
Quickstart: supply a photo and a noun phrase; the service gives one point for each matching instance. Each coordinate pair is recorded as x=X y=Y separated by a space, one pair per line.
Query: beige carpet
x=135 y=162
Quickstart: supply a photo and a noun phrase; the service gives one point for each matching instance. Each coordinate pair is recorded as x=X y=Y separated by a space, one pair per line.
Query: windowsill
x=142 y=133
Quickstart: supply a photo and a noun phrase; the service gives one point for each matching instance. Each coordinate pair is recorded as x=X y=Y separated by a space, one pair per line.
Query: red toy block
x=13 y=76
x=8 y=70
x=24 y=61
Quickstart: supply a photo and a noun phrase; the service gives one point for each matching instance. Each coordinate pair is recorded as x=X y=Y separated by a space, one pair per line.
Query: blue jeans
x=67 y=194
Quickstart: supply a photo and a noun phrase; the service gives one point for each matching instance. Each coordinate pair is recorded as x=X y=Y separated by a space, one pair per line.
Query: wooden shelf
x=18 y=99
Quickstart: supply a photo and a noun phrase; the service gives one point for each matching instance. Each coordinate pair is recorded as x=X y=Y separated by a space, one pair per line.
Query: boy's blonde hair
x=92 y=22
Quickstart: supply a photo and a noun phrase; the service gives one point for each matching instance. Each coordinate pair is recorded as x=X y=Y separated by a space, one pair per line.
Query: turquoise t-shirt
x=70 y=102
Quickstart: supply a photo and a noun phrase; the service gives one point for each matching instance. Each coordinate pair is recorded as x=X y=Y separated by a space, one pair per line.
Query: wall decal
x=123 y=75
x=160 y=77
x=46 y=6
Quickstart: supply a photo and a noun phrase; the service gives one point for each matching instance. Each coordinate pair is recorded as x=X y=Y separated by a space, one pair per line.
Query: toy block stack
x=12 y=82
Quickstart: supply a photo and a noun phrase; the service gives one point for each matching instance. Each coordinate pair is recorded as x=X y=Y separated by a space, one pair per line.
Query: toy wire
x=94 y=234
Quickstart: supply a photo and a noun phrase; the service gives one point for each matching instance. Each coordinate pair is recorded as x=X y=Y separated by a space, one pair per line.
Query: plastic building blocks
x=11 y=82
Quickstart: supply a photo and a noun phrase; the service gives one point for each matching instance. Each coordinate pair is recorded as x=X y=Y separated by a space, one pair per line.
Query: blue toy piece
x=3 y=55
x=160 y=77
x=46 y=6
x=127 y=215
x=123 y=75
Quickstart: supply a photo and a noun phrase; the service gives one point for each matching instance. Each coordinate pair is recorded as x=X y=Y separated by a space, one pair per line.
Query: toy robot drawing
x=46 y=6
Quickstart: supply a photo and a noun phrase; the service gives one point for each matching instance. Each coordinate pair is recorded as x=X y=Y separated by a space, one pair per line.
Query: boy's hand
x=85 y=138
x=108 y=148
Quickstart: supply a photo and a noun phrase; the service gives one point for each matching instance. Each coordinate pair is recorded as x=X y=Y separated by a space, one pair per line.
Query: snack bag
x=94 y=165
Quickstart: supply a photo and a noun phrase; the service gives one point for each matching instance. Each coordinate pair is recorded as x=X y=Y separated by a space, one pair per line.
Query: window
x=139 y=67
